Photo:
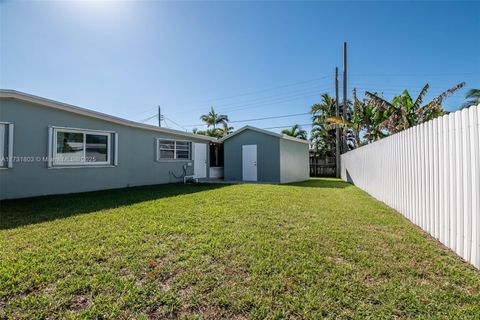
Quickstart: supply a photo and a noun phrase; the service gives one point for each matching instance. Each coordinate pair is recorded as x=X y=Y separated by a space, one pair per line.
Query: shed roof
x=278 y=135
x=13 y=94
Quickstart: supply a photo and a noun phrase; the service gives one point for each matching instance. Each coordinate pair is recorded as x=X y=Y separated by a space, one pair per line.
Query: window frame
x=175 y=158
x=7 y=145
x=111 y=137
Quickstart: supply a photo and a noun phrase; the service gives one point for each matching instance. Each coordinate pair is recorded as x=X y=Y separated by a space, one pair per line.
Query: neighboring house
x=252 y=154
x=49 y=147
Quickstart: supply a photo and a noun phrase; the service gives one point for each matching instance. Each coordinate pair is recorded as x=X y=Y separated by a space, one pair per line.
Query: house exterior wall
x=294 y=162
x=268 y=156
x=137 y=164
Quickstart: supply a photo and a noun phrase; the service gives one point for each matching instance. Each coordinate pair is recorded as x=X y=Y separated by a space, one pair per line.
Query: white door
x=199 y=160
x=249 y=162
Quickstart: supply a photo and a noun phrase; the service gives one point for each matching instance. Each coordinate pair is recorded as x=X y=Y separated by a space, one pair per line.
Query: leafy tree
x=374 y=118
x=213 y=119
x=404 y=112
x=322 y=136
x=323 y=132
x=214 y=132
x=296 y=131
x=365 y=119
x=473 y=96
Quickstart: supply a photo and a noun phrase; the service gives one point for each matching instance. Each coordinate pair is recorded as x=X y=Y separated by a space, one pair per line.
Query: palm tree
x=323 y=132
x=322 y=136
x=214 y=132
x=212 y=119
x=473 y=96
x=365 y=119
x=403 y=112
x=296 y=131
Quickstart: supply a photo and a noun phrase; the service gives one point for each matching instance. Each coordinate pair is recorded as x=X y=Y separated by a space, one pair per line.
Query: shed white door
x=249 y=162
x=200 y=160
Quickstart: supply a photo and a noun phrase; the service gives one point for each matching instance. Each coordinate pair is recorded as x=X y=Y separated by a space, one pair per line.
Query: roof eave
x=278 y=135
x=13 y=94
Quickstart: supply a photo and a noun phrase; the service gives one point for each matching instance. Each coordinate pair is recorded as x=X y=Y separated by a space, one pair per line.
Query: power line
x=320 y=78
x=149 y=118
x=178 y=125
x=166 y=124
x=257 y=119
x=263 y=90
x=245 y=93
x=266 y=103
x=267 y=98
x=414 y=74
x=273 y=101
x=282 y=127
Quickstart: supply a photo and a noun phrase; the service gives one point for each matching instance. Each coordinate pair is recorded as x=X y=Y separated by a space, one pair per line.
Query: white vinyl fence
x=430 y=174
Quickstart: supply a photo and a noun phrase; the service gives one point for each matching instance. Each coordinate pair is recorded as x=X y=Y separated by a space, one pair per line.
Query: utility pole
x=345 y=146
x=337 y=130
x=159 y=116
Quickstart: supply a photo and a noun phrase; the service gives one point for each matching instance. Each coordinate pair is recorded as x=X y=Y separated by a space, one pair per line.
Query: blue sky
x=247 y=59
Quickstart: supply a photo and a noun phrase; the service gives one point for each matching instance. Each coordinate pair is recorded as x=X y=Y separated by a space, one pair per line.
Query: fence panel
x=430 y=174
x=322 y=167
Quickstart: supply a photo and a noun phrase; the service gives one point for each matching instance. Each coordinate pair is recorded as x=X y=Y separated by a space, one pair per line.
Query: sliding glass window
x=81 y=147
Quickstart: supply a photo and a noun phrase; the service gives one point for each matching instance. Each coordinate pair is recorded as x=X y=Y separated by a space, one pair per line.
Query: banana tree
x=404 y=112
x=473 y=96
x=365 y=118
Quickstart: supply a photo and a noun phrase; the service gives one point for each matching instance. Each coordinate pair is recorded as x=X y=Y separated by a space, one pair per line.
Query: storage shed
x=253 y=154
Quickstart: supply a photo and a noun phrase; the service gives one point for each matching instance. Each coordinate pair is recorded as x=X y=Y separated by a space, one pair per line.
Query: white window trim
x=10 y=129
x=157 y=149
x=52 y=147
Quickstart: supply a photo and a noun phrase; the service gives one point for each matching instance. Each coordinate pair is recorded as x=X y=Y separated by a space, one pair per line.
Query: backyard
x=322 y=248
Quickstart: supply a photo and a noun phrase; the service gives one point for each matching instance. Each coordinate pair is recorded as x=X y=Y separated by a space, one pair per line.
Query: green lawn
x=318 y=249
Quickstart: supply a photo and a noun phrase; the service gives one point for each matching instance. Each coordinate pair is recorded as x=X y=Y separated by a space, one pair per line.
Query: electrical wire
x=276 y=96
x=412 y=74
x=254 y=105
x=264 y=90
x=244 y=94
x=180 y=126
x=256 y=119
x=282 y=127
x=165 y=121
x=267 y=103
x=149 y=118
x=298 y=83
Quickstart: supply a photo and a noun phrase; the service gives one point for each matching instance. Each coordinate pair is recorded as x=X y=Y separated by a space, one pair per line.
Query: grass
x=319 y=249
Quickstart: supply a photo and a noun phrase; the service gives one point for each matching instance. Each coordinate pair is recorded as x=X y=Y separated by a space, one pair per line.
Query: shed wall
x=268 y=156
x=294 y=162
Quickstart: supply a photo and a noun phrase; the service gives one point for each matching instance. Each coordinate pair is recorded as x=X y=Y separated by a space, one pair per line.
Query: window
x=173 y=149
x=6 y=145
x=81 y=147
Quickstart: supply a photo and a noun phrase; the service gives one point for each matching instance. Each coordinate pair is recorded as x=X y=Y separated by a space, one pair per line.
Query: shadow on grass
x=321 y=183
x=22 y=212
